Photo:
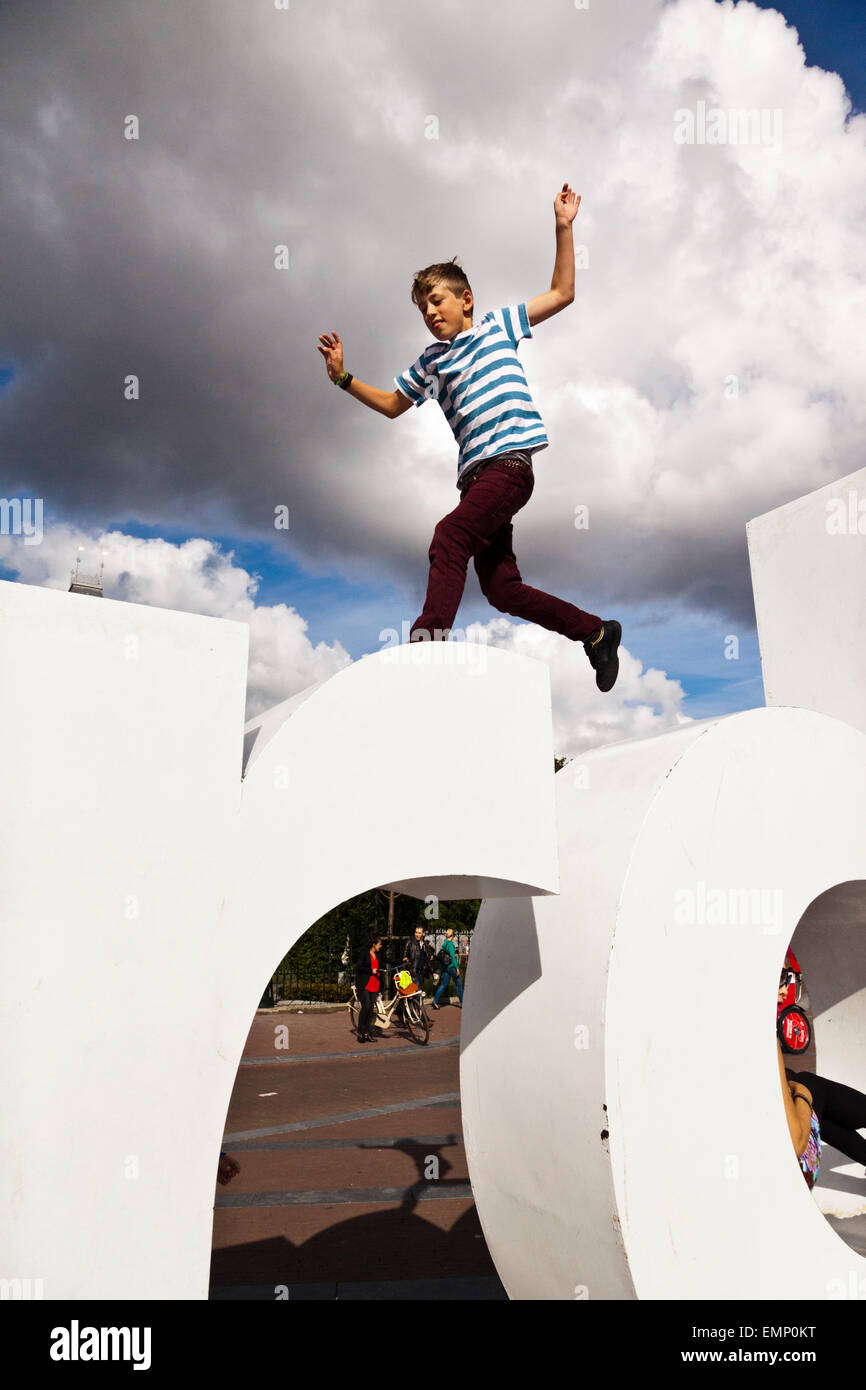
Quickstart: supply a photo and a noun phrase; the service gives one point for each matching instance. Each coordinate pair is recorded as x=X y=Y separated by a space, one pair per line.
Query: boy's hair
x=448 y=273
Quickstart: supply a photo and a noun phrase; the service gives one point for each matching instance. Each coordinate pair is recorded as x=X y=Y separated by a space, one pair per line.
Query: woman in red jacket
x=367 y=982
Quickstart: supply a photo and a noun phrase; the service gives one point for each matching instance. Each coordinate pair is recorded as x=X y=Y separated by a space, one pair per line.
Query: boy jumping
x=475 y=375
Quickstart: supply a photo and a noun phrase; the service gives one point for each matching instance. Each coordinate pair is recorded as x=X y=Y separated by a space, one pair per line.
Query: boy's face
x=444 y=313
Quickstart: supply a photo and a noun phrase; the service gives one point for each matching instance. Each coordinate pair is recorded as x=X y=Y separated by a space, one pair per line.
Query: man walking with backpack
x=450 y=969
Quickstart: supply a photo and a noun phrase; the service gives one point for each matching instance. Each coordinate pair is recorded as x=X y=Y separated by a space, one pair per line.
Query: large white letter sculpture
x=147 y=892
x=621 y=1103
x=156 y=866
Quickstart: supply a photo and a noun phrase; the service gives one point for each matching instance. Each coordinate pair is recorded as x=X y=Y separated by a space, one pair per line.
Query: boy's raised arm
x=561 y=292
x=389 y=403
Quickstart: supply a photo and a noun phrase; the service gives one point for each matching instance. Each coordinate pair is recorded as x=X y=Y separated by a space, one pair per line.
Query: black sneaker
x=601 y=648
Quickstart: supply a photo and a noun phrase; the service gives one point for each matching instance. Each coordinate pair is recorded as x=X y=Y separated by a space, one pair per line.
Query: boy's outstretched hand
x=565 y=205
x=332 y=353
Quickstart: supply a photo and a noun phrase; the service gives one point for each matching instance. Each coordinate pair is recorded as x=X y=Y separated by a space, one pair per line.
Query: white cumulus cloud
x=194 y=577
x=642 y=702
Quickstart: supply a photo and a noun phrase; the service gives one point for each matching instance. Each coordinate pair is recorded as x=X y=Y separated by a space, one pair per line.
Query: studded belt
x=510 y=461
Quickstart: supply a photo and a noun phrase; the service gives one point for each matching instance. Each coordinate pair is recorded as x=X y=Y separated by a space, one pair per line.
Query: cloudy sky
x=706 y=372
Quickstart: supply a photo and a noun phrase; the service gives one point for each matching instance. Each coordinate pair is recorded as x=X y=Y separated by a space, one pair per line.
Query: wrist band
x=345 y=380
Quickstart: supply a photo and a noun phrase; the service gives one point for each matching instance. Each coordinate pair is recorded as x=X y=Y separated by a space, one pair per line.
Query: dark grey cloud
x=308 y=127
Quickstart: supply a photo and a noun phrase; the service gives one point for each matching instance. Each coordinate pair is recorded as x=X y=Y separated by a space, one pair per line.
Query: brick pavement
x=338 y=1144
x=333 y=1138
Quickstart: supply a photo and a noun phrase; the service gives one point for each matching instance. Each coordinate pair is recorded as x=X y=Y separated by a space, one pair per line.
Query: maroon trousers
x=481 y=527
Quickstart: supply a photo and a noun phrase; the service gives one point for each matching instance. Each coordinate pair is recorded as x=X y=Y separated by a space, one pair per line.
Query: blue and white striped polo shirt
x=478 y=380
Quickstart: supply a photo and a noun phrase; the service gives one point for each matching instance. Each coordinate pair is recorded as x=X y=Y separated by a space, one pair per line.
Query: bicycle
x=412 y=1013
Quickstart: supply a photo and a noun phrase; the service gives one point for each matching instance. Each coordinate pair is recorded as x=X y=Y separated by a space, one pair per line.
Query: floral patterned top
x=810 y=1158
